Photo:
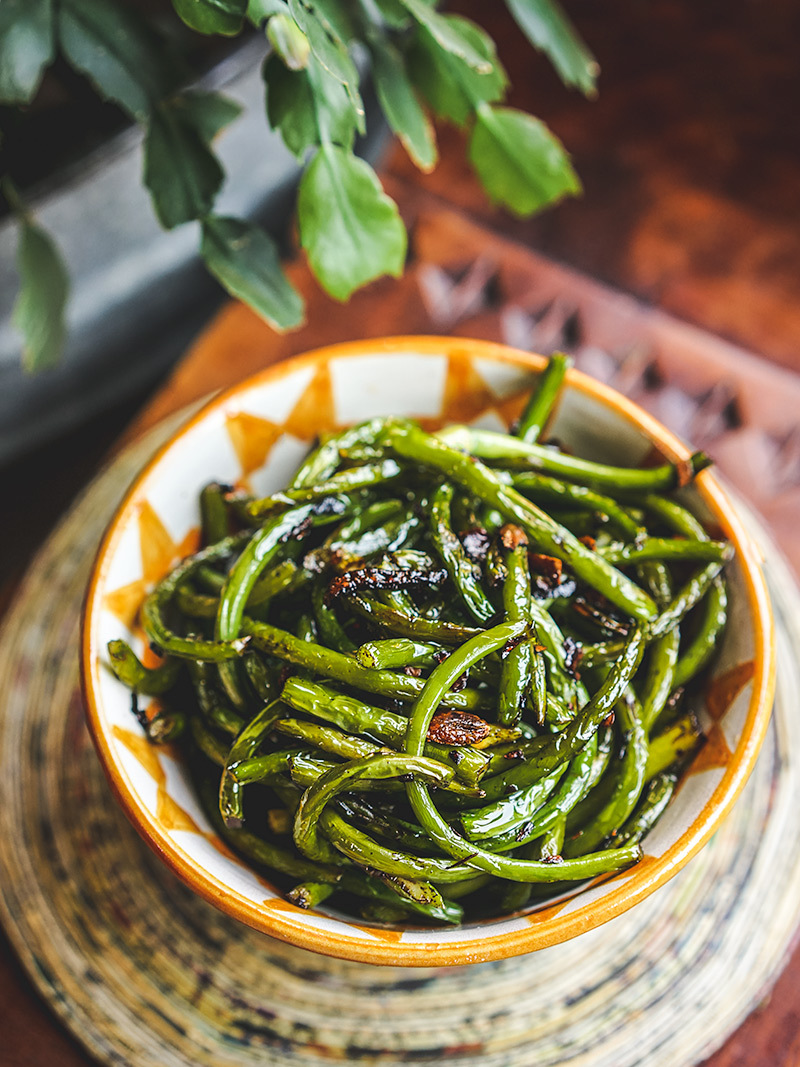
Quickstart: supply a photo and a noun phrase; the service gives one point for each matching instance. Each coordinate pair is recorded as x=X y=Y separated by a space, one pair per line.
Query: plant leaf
x=317 y=20
x=180 y=170
x=208 y=113
x=121 y=56
x=400 y=104
x=244 y=259
x=308 y=106
x=289 y=41
x=447 y=34
x=27 y=46
x=39 y=309
x=212 y=16
x=519 y=161
x=258 y=11
x=452 y=87
x=393 y=13
x=549 y=30
x=350 y=229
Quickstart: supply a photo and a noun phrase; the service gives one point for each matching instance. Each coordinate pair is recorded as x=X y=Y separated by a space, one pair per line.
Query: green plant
x=423 y=62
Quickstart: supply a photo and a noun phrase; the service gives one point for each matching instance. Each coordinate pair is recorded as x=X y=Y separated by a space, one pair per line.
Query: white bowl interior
x=258 y=436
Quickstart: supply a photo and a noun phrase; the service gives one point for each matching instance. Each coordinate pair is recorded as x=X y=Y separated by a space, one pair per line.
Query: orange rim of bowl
x=542 y=930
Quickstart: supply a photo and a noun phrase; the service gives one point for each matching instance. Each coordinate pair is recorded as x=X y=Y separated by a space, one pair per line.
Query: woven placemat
x=145 y=973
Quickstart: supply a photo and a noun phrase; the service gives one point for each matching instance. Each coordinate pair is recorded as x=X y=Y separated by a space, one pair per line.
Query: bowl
x=255 y=434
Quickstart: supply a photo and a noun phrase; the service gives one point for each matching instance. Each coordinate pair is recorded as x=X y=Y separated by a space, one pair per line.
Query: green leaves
x=245 y=261
x=449 y=84
x=308 y=106
x=27 y=46
x=447 y=33
x=350 y=229
x=212 y=16
x=317 y=19
x=519 y=162
x=117 y=52
x=548 y=30
x=39 y=310
x=180 y=170
x=401 y=107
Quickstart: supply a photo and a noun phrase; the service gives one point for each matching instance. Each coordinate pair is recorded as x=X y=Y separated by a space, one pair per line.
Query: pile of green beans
x=440 y=676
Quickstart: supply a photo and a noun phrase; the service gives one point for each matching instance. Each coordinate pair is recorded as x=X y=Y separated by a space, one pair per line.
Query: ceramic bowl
x=255 y=434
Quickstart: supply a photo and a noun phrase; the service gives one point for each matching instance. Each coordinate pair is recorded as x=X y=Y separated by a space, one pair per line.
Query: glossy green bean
x=356 y=717
x=703 y=645
x=332 y=664
x=542 y=400
x=543 y=487
x=157 y=603
x=488 y=444
x=213 y=513
x=149 y=681
x=516 y=673
x=437 y=827
x=464 y=575
x=413 y=444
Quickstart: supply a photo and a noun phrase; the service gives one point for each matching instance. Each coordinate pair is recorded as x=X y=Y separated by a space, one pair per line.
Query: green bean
x=688 y=597
x=543 y=487
x=397 y=831
x=543 y=398
x=196 y=605
x=307 y=836
x=628 y=785
x=310 y=894
x=332 y=664
x=213 y=513
x=659 y=681
x=212 y=581
x=329 y=740
x=657 y=796
x=158 y=601
x=583 y=772
x=258 y=554
x=546 y=753
x=413 y=444
x=677 y=517
x=510 y=812
x=662 y=548
x=345 y=482
x=357 y=717
x=322 y=461
x=459 y=566
x=274 y=858
x=552 y=842
x=413 y=626
x=329 y=628
x=517 y=670
x=243 y=748
x=149 y=681
x=671 y=745
x=260 y=678
x=487 y=444
x=276 y=580
x=438 y=829
x=397 y=652
x=699 y=652
x=166 y=726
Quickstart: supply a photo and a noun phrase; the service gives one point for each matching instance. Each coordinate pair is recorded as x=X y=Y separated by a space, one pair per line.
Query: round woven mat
x=145 y=973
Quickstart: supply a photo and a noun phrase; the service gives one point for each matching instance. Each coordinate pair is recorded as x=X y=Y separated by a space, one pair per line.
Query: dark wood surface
x=691 y=166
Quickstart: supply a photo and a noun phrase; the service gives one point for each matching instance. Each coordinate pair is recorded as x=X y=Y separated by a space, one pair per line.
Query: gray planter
x=138 y=293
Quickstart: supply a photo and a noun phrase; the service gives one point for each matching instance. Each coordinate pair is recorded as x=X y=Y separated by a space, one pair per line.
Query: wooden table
x=691 y=164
